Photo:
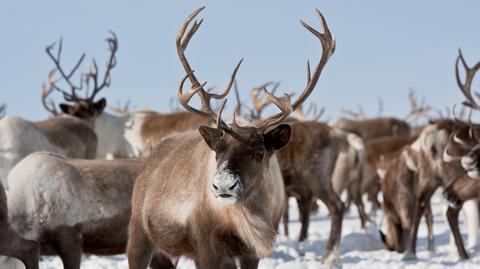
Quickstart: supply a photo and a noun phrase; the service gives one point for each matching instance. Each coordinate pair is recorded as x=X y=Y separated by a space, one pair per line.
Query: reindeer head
x=242 y=153
x=82 y=107
x=464 y=142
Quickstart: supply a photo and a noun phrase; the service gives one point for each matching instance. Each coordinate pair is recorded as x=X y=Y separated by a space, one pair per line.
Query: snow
x=359 y=248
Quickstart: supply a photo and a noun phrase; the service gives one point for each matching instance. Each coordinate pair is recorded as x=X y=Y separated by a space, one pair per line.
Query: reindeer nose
x=231 y=188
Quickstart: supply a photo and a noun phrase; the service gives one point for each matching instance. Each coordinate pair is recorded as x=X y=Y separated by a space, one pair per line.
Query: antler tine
x=3 y=108
x=185 y=98
x=327 y=41
x=284 y=104
x=259 y=104
x=466 y=87
x=48 y=104
x=56 y=60
x=182 y=45
x=111 y=63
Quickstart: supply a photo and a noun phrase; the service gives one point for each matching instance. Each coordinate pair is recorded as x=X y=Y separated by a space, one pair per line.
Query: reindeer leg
x=357 y=199
x=12 y=245
x=419 y=208
x=429 y=219
x=286 y=216
x=69 y=243
x=248 y=262
x=336 y=209
x=452 y=217
x=139 y=250
x=304 y=203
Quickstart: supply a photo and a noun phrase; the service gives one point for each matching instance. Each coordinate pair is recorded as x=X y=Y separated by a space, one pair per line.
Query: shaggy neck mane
x=248 y=220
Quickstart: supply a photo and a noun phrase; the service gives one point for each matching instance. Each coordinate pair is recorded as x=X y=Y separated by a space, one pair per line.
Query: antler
x=357 y=115
x=197 y=88
x=417 y=109
x=49 y=104
x=121 y=109
x=260 y=104
x=111 y=63
x=85 y=78
x=3 y=108
x=64 y=75
x=466 y=88
x=327 y=41
x=304 y=116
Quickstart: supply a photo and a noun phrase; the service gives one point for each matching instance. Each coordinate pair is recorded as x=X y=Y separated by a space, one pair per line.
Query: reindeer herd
x=158 y=186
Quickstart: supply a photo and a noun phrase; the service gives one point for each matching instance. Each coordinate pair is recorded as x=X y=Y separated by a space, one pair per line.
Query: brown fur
x=71 y=134
x=398 y=189
x=374 y=128
x=172 y=207
x=157 y=126
x=380 y=152
x=11 y=244
x=307 y=164
x=433 y=172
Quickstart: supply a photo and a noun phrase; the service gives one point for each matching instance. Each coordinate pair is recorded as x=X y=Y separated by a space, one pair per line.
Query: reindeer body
x=72 y=206
x=307 y=165
x=146 y=129
x=398 y=189
x=64 y=135
x=110 y=130
x=174 y=209
x=373 y=128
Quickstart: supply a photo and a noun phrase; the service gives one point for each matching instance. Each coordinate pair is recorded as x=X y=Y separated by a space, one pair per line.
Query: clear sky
x=383 y=48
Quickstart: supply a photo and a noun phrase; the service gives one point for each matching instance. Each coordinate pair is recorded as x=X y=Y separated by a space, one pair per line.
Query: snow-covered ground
x=359 y=249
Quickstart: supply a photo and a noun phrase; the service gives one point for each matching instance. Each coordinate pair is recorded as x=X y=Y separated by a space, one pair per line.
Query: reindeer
x=74 y=206
x=12 y=244
x=109 y=128
x=68 y=136
x=373 y=128
x=380 y=152
x=228 y=188
x=398 y=189
x=464 y=146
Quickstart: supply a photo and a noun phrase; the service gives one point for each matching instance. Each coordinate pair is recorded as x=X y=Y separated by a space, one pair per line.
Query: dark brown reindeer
x=398 y=189
x=464 y=146
x=11 y=244
x=228 y=186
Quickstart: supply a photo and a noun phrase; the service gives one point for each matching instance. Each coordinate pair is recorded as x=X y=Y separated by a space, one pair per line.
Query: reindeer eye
x=258 y=153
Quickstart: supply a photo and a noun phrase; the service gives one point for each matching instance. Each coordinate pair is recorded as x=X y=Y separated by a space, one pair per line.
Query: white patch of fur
x=447 y=157
x=224 y=179
x=381 y=173
x=43 y=194
x=416 y=146
x=110 y=130
x=133 y=130
x=409 y=161
x=18 y=138
x=470 y=209
x=355 y=141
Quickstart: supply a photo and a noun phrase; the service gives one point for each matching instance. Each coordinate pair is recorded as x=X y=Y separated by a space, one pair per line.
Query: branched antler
x=465 y=88
x=49 y=104
x=86 y=79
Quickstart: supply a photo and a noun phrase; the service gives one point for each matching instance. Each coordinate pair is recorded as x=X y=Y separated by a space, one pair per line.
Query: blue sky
x=383 y=48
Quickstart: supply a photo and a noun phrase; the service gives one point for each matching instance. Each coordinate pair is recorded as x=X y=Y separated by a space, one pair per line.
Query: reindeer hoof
x=332 y=260
x=409 y=256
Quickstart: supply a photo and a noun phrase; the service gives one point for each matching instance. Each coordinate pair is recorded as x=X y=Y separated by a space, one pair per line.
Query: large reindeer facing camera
x=225 y=181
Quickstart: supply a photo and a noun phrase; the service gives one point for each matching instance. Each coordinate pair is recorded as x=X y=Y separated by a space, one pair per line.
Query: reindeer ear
x=211 y=136
x=67 y=109
x=100 y=105
x=279 y=137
